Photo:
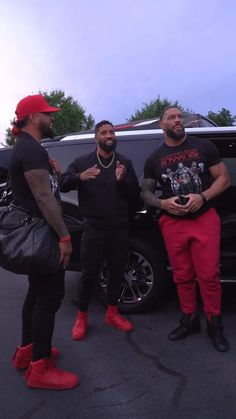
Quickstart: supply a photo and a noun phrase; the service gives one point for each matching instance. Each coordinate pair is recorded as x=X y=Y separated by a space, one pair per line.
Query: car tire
x=146 y=278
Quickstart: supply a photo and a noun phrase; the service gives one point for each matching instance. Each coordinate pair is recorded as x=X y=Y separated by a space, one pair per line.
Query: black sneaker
x=187 y=327
x=215 y=332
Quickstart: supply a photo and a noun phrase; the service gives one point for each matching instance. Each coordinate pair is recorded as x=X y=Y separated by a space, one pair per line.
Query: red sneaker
x=80 y=327
x=23 y=355
x=114 y=318
x=44 y=374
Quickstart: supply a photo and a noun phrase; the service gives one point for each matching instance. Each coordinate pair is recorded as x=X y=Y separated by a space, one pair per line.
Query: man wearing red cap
x=34 y=187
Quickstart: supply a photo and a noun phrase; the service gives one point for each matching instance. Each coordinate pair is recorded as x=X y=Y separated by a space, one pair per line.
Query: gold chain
x=106 y=167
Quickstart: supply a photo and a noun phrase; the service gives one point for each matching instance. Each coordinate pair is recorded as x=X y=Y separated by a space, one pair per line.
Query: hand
x=195 y=202
x=65 y=252
x=90 y=173
x=120 y=171
x=57 y=166
x=170 y=205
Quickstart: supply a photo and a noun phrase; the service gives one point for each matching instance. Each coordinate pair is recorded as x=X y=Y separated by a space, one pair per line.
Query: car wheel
x=145 y=278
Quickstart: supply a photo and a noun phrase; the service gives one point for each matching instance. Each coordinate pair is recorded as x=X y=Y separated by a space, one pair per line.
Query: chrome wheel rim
x=138 y=279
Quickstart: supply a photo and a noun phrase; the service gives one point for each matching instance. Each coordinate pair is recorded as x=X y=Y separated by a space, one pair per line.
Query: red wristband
x=65 y=239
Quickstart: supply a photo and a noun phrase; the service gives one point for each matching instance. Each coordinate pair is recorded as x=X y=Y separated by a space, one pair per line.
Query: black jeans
x=102 y=242
x=43 y=299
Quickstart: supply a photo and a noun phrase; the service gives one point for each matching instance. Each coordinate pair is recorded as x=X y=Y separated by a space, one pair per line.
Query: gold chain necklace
x=103 y=165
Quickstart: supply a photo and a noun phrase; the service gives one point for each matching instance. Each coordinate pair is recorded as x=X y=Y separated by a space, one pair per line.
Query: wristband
x=65 y=239
x=203 y=197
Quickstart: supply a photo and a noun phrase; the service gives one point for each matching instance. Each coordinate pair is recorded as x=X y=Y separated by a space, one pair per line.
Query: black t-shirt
x=183 y=169
x=28 y=154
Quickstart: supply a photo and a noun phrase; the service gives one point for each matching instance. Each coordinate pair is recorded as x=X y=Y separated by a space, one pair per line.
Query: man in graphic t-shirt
x=191 y=174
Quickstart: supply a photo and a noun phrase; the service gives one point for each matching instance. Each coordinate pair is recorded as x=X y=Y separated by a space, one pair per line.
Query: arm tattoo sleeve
x=148 y=193
x=39 y=183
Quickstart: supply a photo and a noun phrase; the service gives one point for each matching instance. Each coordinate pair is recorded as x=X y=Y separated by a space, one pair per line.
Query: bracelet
x=65 y=239
x=203 y=197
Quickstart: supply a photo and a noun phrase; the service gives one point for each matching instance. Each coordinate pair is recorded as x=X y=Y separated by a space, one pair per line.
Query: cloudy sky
x=113 y=56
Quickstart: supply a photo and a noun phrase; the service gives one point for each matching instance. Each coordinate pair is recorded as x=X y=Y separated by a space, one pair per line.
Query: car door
x=226 y=204
x=5 y=192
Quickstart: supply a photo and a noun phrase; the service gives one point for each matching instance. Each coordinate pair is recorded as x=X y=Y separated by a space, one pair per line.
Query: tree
x=153 y=109
x=222 y=118
x=9 y=138
x=71 y=118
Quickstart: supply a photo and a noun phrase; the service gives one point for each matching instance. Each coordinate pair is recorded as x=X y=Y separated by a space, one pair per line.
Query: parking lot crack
x=31 y=412
x=109 y=387
x=122 y=403
x=182 y=380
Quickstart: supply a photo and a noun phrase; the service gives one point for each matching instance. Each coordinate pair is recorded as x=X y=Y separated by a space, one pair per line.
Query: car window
x=5 y=156
x=67 y=153
x=227 y=148
x=227 y=151
x=135 y=150
x=230 y=162
x=138 y=151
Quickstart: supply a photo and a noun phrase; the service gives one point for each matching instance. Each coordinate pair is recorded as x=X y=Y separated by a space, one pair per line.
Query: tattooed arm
x=39 y=183
x=148 y=193
x=169 y=205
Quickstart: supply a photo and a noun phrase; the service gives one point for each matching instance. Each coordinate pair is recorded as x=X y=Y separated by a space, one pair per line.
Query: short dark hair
x=166 y=109
x=101 y=123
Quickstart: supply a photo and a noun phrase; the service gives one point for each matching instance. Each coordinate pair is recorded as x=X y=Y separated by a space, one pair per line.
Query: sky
x=113 y=56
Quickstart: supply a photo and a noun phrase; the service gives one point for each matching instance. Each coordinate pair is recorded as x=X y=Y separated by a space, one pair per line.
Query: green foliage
x=9 y=138
x=153 y=109
x=71 y=118
x=222 y=118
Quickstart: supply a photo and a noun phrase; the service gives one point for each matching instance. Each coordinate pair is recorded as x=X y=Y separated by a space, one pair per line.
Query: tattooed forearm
x=39 y=183
x=148 y=193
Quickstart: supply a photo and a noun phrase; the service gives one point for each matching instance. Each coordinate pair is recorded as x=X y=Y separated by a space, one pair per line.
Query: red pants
x=193 y=248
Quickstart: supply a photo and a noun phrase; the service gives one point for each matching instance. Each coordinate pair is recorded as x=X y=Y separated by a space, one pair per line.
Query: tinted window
x=4 y=164
x=137 y=151
x=227 y=148
x=67 y=153
x=228 y=153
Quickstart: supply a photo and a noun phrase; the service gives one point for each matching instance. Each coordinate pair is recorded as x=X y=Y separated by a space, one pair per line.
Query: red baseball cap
x=33 y=104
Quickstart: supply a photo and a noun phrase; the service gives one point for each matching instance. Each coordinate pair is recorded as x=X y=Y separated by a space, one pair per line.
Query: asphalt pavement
x=134 y=375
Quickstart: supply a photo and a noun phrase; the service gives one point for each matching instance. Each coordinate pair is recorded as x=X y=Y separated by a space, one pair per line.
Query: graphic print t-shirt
x=28 y=154
x=183 y=169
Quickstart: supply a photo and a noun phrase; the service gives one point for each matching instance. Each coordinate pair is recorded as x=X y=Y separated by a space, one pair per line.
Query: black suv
x=147 y=272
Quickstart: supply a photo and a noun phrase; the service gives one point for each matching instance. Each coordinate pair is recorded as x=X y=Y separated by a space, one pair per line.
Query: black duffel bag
x=27 y=243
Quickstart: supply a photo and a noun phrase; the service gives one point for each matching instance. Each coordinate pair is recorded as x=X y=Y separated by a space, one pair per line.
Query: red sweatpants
x=193 y=248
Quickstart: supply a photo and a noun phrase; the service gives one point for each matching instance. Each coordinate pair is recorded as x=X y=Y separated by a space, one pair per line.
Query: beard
x=46 y=130
x=108 y=147
x=176 y=136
